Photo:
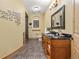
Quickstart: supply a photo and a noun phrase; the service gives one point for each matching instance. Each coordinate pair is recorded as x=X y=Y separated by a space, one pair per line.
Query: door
x=26 y=27
x=76 y=31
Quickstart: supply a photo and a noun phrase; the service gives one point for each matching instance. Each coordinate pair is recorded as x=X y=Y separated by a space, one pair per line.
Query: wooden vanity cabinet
x=46 y=43
x=60 y=49
x=56 y=48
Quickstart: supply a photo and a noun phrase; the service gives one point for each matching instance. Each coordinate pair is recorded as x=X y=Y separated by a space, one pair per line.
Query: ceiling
x=37 y=6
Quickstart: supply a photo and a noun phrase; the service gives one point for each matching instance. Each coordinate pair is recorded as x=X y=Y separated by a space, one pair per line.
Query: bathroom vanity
x=56 y=47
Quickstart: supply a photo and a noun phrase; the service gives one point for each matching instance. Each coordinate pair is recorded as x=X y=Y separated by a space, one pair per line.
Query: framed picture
x=35 y=23
x=58 y=19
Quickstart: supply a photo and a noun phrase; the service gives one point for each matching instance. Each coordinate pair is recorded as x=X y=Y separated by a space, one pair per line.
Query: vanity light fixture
x=55 y=4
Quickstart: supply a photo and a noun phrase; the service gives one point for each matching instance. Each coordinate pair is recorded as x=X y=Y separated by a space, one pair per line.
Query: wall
x=68 y=15
x=35 y=33
x=11 y=34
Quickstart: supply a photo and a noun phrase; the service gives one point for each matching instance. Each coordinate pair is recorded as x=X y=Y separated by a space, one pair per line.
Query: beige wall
x=11 y=34
x=36 y=34
x=68 y=15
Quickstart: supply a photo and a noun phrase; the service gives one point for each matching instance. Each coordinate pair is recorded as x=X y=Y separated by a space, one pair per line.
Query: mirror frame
x=62 y=21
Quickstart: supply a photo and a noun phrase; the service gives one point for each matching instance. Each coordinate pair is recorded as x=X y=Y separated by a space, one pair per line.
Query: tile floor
x=32 y=50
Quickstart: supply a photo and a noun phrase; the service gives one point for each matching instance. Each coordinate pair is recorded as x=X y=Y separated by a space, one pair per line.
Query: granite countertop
x=58 y=37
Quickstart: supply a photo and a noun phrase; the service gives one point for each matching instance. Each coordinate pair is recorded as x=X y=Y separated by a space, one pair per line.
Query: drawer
x=60 y=43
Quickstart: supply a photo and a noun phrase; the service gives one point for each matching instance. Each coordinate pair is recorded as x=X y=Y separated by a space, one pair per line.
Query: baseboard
x=15 y=52
x=32 y=38
x=35 y=37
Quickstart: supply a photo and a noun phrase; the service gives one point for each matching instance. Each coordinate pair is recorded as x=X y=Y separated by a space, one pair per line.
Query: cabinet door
x=60 y=53
x=61 y=49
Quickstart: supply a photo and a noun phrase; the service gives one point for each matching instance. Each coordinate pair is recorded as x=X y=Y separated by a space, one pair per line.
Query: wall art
x=10 y=15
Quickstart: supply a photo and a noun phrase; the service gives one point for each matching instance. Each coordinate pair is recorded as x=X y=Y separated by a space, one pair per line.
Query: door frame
x=26 y=27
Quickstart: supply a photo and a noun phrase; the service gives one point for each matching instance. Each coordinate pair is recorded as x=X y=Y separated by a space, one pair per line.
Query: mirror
x=58 y=19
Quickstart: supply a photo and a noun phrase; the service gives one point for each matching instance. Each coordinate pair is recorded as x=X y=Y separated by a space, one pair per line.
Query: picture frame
x=58 y=19
x=36 y=23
